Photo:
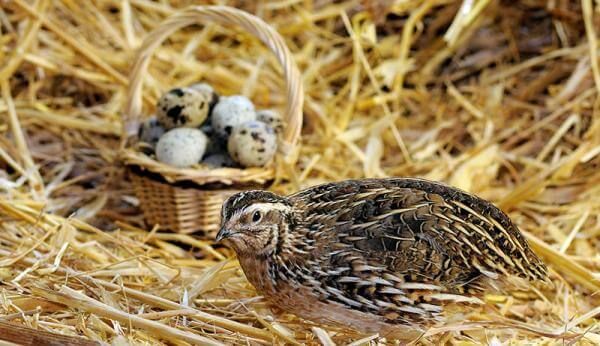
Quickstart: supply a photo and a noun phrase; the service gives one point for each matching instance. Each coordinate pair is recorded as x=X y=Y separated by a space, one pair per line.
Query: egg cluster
x=193 y=125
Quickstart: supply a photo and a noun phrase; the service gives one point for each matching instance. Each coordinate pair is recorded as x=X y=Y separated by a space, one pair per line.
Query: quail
x=375 y=255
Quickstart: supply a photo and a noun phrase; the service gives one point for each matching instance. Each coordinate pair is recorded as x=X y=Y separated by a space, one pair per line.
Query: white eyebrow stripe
x=266 y=207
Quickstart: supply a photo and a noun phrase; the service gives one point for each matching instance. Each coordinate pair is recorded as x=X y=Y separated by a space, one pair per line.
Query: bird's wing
x=421 y=228
x=400 y=247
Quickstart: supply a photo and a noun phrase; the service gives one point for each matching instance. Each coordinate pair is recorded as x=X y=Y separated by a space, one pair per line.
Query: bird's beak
x=224 y=233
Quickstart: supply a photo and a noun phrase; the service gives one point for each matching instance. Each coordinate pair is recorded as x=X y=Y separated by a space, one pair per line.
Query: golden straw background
x=499 y=98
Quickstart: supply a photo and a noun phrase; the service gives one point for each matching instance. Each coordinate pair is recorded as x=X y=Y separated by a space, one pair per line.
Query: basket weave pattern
x=183 y=209
x=196 y=205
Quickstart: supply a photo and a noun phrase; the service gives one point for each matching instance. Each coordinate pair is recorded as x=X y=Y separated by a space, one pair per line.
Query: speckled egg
x=183 y=107
x=150 y=131
x=271 y=118
x=252 y=144
x=219 y=160
x=203 y=87
x=181 y=147
x=209 y=90
x=231 y=111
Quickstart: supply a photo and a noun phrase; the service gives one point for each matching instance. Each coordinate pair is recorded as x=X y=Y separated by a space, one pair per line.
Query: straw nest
x=496 y=97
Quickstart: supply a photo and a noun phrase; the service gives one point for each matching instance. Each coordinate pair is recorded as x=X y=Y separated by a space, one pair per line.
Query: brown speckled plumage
x=374 y=254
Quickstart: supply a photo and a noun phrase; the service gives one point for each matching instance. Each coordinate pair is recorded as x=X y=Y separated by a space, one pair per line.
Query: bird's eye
x=256 y=216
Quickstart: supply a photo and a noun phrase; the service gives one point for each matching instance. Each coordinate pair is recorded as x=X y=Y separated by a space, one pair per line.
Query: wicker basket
x=189 y=200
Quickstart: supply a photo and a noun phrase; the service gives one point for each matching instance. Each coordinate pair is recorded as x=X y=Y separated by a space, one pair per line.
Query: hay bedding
x=496 y=97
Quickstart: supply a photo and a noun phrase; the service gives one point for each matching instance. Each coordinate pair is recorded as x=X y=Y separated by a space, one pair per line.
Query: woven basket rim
x=133 y=109
x=198 y=176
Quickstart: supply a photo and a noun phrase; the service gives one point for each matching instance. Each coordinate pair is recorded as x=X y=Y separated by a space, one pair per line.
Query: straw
x=499 y=100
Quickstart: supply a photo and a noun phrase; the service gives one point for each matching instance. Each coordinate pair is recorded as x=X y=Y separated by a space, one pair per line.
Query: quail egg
x=183 y=107
x=209 y=90
x=231 y=111
x=204 y=87
x=271 y=118
x=181 y=147
x=150 y=131
x=219 y=160
x=252 y=144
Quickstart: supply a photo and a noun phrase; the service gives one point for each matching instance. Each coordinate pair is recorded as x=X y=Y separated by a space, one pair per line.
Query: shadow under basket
x=183 y=207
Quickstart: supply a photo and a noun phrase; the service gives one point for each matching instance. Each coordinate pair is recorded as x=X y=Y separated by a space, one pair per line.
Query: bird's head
x=253 y=222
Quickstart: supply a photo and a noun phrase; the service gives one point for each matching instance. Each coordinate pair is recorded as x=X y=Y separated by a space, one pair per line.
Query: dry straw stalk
x=499 y=98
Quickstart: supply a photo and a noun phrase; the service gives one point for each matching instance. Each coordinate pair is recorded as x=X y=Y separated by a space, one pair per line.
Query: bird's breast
x=258 y=274
x=301 y=298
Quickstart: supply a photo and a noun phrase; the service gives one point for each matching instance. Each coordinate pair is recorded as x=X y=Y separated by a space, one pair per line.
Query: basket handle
x=223 y=15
